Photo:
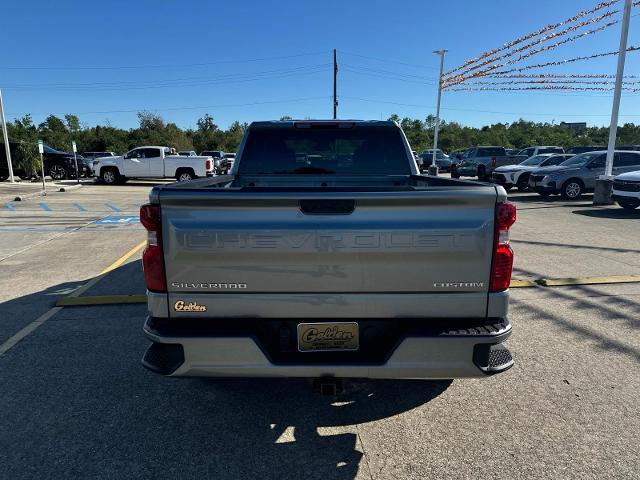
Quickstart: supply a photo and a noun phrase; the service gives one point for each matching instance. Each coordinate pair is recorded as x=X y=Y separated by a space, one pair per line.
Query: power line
x=389 y=72
x=171 y=80
x=169 y=109
x=388 y=77
x=479 y=111
x=172 y=83
x=172 y=65
x=386 y=60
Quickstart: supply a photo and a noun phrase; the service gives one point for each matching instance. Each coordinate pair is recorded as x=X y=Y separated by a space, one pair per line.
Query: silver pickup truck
x=325 y=253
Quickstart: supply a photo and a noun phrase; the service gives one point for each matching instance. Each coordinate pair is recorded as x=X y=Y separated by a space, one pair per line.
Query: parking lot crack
x=364 y=451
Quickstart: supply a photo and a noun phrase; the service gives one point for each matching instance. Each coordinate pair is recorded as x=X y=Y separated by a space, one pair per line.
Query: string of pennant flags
x=550 y=27
x=491 y=65
x=536 y=51
x=543 y=87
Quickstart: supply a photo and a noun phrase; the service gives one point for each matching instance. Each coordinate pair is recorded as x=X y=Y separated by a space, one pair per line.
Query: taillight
x=502 y=261
x=152 y=260
x=207 y=164
x=494 y=162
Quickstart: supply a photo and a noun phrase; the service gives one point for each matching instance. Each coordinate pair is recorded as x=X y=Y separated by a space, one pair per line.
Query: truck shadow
x=292 y=432
x=77 y=402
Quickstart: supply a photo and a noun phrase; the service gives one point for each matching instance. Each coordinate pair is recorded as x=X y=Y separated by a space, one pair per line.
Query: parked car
x=584 y=149
x=326 y=254
x=188 y=153
x=62 y=165
x=93 y=155
x=217 y=156
x=626 y=190
x=4 y=165
x=223 y=165
x=151 y=162
x=531 y=151
x=518 y=175
x=481 y=161
x=577 y=175
x=418 y=159
x=456 y=155
x=442 y=160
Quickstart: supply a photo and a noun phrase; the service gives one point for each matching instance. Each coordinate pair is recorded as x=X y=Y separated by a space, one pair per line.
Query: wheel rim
x=185 y=177
x=573 y=190
x=108 y=176
x=57 y=172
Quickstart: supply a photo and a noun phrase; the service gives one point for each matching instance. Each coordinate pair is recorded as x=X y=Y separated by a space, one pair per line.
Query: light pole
x=5 y=134
x=602 y=191
x=433 y=168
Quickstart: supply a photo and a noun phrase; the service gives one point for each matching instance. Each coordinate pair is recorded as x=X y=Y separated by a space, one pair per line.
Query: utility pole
x=335 y=84
x=433 y=168
x=602 y=192
x=7 y=149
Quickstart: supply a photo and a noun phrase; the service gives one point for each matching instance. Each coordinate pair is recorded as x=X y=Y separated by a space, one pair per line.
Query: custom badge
x=181 y=306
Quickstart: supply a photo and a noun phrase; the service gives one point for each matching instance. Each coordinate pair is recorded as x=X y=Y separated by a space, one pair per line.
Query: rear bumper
x=400 y=348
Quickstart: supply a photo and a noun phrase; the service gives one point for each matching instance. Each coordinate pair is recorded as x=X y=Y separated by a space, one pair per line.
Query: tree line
x=154 y=130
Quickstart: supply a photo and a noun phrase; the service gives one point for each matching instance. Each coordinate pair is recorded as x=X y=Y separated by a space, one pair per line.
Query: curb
x=17 y=197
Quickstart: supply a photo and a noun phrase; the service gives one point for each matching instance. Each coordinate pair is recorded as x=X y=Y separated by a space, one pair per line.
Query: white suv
x=626 y=190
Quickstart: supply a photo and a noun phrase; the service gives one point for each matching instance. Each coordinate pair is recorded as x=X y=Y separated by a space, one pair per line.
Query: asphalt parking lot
x=77 y=403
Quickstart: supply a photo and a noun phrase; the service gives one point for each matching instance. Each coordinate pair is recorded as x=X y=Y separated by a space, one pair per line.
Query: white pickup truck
x=151 y=162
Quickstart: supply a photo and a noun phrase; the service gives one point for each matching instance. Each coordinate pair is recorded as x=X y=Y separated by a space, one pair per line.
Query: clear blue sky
x=196 y=56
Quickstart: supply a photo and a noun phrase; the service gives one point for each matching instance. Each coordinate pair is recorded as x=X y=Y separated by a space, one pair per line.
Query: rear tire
x=454 y=172
x=482 y=173
x=630 y=204
x=572 y=189
x=185 y=175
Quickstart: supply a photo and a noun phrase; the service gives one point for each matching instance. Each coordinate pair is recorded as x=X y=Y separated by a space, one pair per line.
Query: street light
x=433 y=168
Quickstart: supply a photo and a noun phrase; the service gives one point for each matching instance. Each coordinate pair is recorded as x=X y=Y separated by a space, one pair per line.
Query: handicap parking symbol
x=118 y=220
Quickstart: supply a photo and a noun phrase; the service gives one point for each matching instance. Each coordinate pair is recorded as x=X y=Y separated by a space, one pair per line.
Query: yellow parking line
x=101 y=300
x=124 y=258
x=558 y=282
x=522 y=284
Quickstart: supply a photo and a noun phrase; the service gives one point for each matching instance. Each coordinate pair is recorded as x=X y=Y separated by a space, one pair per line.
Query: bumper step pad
x=492 y=359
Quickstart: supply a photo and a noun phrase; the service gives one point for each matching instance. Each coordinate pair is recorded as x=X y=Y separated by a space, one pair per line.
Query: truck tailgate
x=331 y=253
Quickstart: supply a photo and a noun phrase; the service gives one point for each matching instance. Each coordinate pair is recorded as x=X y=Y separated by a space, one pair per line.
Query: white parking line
x=30 y=328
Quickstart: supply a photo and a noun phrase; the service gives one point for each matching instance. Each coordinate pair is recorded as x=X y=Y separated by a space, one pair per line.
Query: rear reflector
x=152 y=259
x=207 y=165
x=150 y=217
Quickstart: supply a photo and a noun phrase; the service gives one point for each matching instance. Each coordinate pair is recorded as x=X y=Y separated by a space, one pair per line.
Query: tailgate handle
x=327 y=207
